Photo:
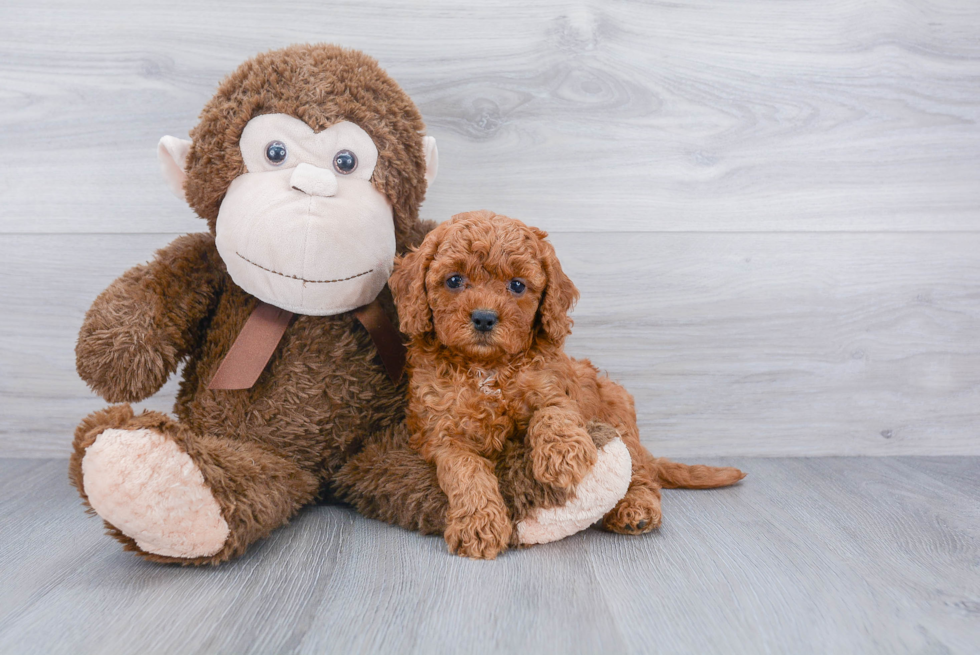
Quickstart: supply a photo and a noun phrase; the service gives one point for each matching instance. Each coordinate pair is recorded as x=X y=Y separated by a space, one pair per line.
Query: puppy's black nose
x=483 y=319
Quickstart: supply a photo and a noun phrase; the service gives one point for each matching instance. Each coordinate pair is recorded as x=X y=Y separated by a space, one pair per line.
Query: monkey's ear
x=407 y=284
x=431 y=159
x=172 y=153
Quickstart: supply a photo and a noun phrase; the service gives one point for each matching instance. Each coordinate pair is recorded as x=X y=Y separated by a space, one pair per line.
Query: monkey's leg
x=175 y=496
x=390 y=481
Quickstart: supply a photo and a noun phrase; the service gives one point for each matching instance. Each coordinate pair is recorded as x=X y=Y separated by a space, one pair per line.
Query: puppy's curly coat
x=486 y=304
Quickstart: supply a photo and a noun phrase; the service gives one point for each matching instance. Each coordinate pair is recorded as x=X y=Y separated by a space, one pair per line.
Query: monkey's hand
x=137 y=331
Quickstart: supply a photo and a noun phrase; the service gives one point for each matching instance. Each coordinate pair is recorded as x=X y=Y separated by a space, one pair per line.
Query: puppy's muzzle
x=484 y=320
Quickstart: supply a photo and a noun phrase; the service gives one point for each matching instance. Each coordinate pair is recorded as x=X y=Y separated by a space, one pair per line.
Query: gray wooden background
x=772 y=208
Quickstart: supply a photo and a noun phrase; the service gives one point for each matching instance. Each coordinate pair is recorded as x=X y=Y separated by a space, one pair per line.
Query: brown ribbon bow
x=260 y=336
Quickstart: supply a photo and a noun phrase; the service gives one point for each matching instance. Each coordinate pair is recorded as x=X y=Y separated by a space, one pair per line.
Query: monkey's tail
x=674 y=475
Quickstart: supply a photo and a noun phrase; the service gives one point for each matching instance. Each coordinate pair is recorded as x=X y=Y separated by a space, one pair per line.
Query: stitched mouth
x=302 y=279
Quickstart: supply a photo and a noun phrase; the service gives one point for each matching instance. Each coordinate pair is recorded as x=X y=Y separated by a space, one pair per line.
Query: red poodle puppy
x=486 y=304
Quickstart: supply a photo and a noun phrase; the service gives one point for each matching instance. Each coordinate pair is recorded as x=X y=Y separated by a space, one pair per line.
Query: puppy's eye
x=516 y=287
x=454 y=281
x=275 y=152
x=344 y=162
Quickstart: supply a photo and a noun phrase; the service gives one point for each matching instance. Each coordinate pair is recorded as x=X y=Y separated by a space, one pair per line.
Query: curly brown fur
x=389 y=481
x=473 y=391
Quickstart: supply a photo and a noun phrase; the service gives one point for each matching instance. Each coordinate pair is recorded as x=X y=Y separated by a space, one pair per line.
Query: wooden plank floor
x=828 y=555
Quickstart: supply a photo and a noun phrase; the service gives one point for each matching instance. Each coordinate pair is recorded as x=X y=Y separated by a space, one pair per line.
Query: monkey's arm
x=137 y=331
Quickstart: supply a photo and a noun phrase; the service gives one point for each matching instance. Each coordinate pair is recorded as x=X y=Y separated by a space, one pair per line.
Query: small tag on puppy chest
x=487 y=381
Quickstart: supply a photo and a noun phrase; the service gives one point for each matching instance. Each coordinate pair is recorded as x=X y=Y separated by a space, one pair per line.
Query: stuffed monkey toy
x=309 y=166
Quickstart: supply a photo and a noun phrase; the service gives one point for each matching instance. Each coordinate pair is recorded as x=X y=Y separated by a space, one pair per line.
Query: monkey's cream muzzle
x=310 y=254
x=303 y=228
x=300 y=233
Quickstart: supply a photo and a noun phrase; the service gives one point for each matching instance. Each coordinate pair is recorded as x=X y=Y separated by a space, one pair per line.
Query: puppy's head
x=488 y=286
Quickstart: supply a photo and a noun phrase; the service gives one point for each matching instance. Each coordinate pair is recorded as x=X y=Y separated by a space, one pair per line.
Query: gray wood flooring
x=823 y=555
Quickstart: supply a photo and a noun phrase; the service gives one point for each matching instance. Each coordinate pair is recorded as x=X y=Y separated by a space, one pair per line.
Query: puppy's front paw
x=482 y=534
x=563 y=457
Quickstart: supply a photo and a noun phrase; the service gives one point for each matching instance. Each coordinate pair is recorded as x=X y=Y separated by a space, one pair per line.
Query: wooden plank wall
x=772 y=208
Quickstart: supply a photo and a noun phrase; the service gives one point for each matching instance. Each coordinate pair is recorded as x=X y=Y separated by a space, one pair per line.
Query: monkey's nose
x=483 y=319
x=313 y=180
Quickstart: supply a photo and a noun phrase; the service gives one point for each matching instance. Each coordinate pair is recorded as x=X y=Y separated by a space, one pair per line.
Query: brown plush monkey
x=309 y=166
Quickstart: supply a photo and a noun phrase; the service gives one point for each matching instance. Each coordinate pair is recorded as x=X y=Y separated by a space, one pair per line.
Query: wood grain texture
x=732 y=344
x=836 y=555
x=595 y=116
x=771 y=208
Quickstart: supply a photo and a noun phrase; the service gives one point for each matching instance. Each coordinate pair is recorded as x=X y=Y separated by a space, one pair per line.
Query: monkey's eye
x=516 y=287
x=275 y=152
x=345 y=162
x=454 y=281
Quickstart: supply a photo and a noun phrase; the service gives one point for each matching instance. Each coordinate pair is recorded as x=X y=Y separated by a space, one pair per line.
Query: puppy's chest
x=484 y=407
x=498 y=393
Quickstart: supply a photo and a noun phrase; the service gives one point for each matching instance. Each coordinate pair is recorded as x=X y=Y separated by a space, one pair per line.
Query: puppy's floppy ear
x=559 y=294
x=407 y=284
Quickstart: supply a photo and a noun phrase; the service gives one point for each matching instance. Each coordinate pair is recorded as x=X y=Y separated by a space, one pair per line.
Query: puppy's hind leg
x=639 y=510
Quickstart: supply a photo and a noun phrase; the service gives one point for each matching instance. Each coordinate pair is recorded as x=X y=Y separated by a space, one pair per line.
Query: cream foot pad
x=146 y=486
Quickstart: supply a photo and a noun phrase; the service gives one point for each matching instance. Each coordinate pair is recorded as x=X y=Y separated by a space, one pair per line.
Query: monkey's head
x=309 y=166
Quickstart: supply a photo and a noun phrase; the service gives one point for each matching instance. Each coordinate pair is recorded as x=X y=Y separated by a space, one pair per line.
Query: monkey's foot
x=598 y=493
x=143 y=484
